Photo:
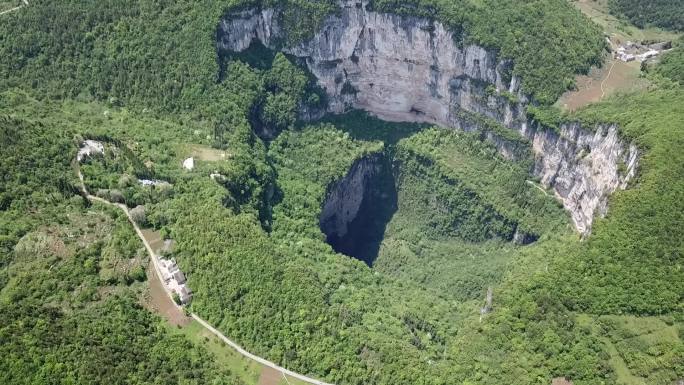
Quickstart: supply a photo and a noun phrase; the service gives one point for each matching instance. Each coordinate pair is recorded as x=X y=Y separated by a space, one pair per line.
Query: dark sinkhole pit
x=358 y=208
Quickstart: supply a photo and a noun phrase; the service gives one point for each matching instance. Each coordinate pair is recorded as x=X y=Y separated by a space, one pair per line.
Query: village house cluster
x=174 y=279
x=631 y=51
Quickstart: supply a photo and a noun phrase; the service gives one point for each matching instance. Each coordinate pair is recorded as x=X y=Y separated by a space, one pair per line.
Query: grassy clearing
x=248 y=371
x=642 y=350
x=614 y=76
x=205 y=153
x=621 y=31
x=153 y=238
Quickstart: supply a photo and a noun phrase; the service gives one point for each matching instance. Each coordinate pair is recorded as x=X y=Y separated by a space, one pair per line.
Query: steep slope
x=411 y=69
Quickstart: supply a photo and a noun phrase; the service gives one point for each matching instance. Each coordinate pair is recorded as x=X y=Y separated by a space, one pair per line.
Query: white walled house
x=174 y=279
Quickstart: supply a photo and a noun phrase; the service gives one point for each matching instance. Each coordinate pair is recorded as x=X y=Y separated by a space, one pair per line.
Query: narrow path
x=603 y=92
x=537 y=186
x=25 y=4
x=197 y=318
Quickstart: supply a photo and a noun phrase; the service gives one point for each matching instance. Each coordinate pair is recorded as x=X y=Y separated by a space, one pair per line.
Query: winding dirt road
x=197 y=318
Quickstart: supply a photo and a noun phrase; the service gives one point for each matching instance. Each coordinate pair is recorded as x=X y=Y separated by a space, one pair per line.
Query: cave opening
x=359 y=207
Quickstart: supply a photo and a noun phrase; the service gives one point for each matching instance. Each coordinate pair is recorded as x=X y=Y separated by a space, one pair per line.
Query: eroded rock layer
x=413 y=69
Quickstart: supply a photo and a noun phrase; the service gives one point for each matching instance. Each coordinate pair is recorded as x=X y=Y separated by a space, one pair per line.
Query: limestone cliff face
x=345 y=197
x=583 y=167
x=413 y=69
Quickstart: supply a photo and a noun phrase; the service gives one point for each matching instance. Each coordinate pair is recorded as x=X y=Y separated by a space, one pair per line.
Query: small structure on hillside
x=174 y=279
x=631 y=51
x=561 y=381
x=89 y=148
x=189 y=164
x=216 y=177
x=154 y=182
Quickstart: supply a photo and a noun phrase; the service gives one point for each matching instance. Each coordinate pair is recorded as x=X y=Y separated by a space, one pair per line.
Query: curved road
x=25 y=3
x=197 y=318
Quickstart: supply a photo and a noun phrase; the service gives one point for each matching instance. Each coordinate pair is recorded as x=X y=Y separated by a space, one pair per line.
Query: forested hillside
x=145 y=79
x=671 y=65
x=667 y=14
x=70 y=274
x=161 y=55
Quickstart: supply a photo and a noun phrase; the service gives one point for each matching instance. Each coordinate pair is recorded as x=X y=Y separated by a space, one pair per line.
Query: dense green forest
x=671 y=65
x=667 y=14
x=162 y=56
x=144 y=77
x=70 y=276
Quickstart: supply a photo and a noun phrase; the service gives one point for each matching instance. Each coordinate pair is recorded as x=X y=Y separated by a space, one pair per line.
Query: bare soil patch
x=206 y=153
x=270 y=376
x=614 y=77
x=153 y=238
x=9 y=5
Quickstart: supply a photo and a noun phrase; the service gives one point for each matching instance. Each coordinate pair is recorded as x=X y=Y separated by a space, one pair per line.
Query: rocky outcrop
x=358 y=207
x=413 y=69
x=345 y=197
x=583 y=167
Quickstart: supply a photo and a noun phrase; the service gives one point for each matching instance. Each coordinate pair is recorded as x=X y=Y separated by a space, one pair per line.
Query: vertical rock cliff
x=346 y=196
x=413 y=69
x=358 y=207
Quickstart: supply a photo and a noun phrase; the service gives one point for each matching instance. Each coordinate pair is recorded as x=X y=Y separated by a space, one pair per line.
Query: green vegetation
x=142 y=76
x=666 y=14
x=68 y=278
x=548 y=41
x=644 y=286
x=631 y=263
x=302 y=18
x=650 y=347
x=425 y=300
x=671 y=65
x=9 y=4
x=106 y=50
x=502 y=184
x=303 y=183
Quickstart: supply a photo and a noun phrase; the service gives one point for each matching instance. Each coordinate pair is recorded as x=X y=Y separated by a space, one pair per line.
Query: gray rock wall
x=346 y=196
x=413 y=69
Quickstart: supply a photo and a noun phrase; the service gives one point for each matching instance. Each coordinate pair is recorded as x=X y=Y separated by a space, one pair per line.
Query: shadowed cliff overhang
x=358 y=207
x=414 y=69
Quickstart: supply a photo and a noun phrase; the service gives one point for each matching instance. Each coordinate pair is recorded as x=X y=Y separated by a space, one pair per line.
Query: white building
x=648 y=54
x=174 y=279
x=153 y=182
x=89 y=148
x=189 y=164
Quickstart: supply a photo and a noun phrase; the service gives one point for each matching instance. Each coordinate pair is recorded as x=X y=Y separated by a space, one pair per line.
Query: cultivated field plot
x=615 y=76
x=205 y=153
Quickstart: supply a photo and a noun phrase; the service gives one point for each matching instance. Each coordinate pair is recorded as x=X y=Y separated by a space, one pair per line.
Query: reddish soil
x=270 y=376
